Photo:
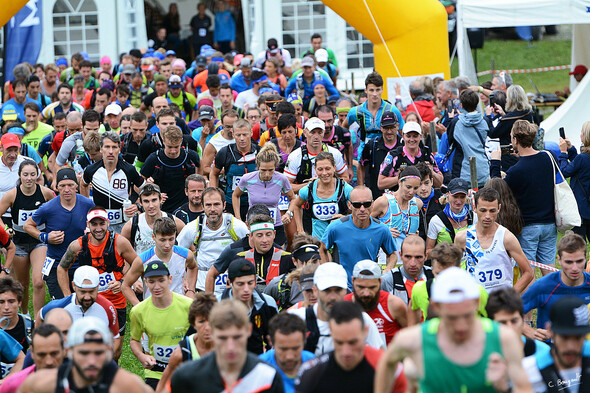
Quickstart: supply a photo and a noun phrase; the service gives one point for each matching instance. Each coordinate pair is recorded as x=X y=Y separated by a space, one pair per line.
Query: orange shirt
x=265 y=137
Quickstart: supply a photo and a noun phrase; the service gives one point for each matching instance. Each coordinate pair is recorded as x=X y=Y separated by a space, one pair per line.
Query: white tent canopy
x=502 y=13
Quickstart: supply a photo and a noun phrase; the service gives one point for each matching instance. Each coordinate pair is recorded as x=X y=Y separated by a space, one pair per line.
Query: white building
x=110 y=27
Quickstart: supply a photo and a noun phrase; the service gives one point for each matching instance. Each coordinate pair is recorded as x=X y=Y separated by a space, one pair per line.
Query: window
x=75 y=28
x=131 y=25
x=359 y=50
x=301 y=19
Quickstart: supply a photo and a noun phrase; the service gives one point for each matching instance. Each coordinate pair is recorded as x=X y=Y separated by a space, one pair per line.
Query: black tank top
x=22 y=209
x=65 y=380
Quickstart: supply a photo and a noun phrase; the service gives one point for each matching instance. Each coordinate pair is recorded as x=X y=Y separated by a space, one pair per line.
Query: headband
x=261 y=226
x=342 y=110
x=17 y=130
x=409 y=177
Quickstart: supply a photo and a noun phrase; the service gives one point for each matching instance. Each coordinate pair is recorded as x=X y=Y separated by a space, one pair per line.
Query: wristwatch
x=6 y=270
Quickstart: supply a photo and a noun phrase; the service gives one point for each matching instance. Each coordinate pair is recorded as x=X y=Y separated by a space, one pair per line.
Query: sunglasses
x=272 y=106
x=357 y=205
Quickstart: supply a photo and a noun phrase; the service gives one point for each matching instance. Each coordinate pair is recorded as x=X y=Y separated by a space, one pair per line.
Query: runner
x=83 y=372
x=221 y=139
x=86 y=302
x=133 y=139
x=64 y=218
x=326 y=197
x=268 y=187
x=162 y=317
x=209 y=235
x=113 y=182
x=18 y=326
x=193 y=209
x=287 y=333
x=11 y=350
x=178 y=260
x=490 y=247
x=110 y=253
x=471 y=355
x=235 y=160
x=196 y=345
x=330 y=284
x=230 y=364
x=350 y=367
x=261 y=308
x=429 y=196
x=400 y=210
x=388 y=311
x=304 y=278
x=288 y=141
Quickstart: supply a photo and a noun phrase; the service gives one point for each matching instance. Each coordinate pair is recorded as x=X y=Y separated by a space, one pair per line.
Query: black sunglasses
x=272 y=106
x=357 y=205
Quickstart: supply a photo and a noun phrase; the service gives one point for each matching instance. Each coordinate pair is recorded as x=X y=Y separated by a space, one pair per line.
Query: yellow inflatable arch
x=9 y=9
x=414 y=31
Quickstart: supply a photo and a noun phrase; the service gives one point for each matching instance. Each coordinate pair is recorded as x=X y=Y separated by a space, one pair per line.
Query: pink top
x=13 y=382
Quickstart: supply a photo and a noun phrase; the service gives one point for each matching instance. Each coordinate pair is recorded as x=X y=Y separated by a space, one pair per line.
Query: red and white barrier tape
x=543 y=266
x=526 y=71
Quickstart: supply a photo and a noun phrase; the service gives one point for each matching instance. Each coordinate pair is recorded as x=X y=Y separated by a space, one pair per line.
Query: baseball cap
x=238 y=59
x=175 y=82
x=201 y=61
x=273 y=45
x=170 y=53
x=306 y=281
x=454 y=285
x=239 y=268
x=147 y=188
x=155 y=268
x=321 y=55
x=84 y=273
x=9 y=113
x=205 y=48
x=66 y=174
x=81 y=327
x=579 y=69
x=112 y=109
x=306 y=252
x=313 y=123
x=307 y=61
x=412 y=126
x=97 y=213
x=329 y=275
x=206 y=112
x=389 y=119
x=62 y=61
x=458 y=185
x=569 y=315
x=129 y=69
x=366 y=269
x=294 y=98
x=16 y=130
x=160 y=78
x=85 y=56
x=205 y=101
x=223 y=79
x=246 y=62
x=10 y=140
x=159 y=55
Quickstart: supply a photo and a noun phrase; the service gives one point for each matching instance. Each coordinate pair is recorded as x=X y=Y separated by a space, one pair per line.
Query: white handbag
x=566 y=207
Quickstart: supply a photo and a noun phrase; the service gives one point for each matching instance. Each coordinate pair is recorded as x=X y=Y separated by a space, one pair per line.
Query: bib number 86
x=490 y=275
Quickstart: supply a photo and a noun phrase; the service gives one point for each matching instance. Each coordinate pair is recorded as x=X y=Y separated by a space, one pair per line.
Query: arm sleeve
x=290 y=86
x=328 y=237
x=286 y=185
x=434 y=228
x=568 y=169
x=4 y=238
x=39 y=215
x=136 y=327
x=340 y=164
x=388 y=243
x=148 y=168
x=220 y=158
x=187 y=236
x=111 y=313
x=9 y=347
x=292 y=167
x=64 y=151
x=304 y=193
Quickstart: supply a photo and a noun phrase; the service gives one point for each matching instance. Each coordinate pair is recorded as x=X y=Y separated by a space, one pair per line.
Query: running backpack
x=342 y=203
x=188 y=167
x=228 y=222
x=313 y=331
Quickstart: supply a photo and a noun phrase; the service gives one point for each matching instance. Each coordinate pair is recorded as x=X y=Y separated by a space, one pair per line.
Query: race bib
x=23 y=216
x=273 y=212
x=162 y=353
x=202 y=32
x=221 y=282
x=47 y=265
x=490 y=278
x=104 y=279
x=5 y=368
x=235 y=182
x=115 y=216
x=325 y=211
x=283 y=203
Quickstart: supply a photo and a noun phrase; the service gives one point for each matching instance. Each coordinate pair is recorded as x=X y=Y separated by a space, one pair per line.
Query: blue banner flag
x=24 y=33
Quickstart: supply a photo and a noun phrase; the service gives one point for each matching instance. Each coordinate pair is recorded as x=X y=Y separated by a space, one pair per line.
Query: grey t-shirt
x=68 y=149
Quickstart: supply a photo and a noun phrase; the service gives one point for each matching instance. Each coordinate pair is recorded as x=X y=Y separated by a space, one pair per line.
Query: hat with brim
x=155 y=268
x=570 y=316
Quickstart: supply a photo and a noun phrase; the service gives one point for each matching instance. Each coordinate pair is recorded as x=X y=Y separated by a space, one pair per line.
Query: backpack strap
x=185 y=349
x=398 y=281
x=313 y=331
x=200 y=224
x=447 y=223
x=342 y=203
x=529 y=347
x=134 y=227
x=229 y=224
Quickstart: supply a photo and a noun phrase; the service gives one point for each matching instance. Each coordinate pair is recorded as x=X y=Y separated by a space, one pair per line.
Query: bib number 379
x=487 y=276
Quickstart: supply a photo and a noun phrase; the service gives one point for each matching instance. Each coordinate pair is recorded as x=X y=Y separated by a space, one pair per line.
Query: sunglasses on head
x=272 y=106
x=357 y=205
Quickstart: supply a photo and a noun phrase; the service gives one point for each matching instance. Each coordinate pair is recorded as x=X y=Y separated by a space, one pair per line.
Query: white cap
x=313 y=123
x=83 y=326
x=329 y=275
x=113 y=109
x=366 y=269
x=454 y=285
x=412 y=126
x=84 y=273
x=321 y=55
x=307 y=61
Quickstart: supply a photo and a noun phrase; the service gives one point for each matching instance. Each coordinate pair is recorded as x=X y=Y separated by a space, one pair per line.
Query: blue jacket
x=305 y=89
x=469 y=143
x=238 y=83
x=225 y=27
x=579 y=172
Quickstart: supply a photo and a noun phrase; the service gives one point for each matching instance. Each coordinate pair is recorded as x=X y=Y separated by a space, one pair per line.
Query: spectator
x=316 y=44
x=282 y=56
x=200 y=26
x=421 y=102
x=224 y=35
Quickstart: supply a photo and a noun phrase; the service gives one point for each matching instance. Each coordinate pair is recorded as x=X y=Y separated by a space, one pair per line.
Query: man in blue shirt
x=17 y=104
x=287 y=333
x=64 y=220
x=11 y=351
x=369 y=235
x=570 y=281
x=302 y=84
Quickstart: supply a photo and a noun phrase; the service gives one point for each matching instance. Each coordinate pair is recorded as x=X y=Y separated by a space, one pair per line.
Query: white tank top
x=492 y=268
x=177 y=267
x=143 y=236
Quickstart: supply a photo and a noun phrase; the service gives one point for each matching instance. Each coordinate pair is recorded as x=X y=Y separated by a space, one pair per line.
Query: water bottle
x=78 y=168
x=126 y=204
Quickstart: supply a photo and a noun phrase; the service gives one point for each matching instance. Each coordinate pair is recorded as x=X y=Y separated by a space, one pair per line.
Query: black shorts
x=152 y=383
x=122 y=319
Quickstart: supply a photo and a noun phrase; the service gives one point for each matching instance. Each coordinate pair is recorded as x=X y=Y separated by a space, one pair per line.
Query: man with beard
x=108 y=252
x=90 y=366
x=388 y=311
x=63 y=104
x=86 y=302
x=566 y=365
x=193 y=209
x=330 y=284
